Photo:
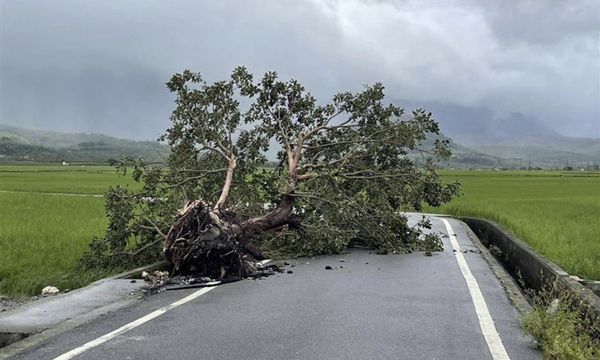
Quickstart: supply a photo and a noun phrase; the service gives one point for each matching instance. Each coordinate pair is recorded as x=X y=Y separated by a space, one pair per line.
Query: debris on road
x=328 y=267
x=193 y=281
x=155 y=279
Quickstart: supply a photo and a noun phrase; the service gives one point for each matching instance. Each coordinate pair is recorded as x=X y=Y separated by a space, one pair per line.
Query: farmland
x=74 y=179
x=48 y=214
x=557 y=213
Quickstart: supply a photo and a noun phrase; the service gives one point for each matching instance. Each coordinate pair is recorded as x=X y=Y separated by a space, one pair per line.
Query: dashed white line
x=483 y=314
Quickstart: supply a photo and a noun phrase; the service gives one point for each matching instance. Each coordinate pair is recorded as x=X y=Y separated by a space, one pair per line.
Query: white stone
x=553 y=307
x=50 y=290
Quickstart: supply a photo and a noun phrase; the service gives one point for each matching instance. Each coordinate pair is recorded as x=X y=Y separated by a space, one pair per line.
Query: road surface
x=447 y=306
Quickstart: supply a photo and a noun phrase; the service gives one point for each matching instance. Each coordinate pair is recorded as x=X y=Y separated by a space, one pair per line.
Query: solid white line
x=131 y=325
x=483 y=314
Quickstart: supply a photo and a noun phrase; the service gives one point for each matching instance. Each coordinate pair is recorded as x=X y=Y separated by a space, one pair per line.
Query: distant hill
x=515 y=138
x=20 y=144
x=510 y=147
x=462 y=156
x=543 y=150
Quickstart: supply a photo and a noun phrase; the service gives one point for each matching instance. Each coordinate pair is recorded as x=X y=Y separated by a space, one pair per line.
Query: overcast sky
x=100 y=66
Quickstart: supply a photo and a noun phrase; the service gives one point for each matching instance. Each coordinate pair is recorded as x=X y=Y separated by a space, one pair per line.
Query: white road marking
x=483 y=314
x=102 y=339
x=123 y=329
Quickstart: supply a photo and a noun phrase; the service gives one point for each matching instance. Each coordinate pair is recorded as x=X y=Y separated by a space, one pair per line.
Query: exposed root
x=216 y=244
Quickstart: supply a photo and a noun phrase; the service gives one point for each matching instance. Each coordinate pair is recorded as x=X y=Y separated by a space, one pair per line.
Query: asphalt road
x=368 y=307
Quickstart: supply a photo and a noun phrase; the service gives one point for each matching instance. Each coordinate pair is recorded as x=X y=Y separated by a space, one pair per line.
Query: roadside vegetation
x=560 y=326
x=556 y=213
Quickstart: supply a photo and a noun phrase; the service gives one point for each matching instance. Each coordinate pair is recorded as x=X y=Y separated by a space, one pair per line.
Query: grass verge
x=560 y=327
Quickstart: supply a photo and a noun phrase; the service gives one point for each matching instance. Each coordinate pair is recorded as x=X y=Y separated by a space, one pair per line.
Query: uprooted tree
x=345 y=173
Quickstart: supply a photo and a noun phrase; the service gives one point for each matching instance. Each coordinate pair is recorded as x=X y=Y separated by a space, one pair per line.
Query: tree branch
x=138 y=251
x=326 y=124
x=205 y=173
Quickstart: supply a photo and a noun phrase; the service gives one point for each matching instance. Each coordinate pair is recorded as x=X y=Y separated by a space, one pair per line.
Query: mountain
x=482 y=125
x=462 y=156
x=516 y=138
x=477 y=139
x=18 y=143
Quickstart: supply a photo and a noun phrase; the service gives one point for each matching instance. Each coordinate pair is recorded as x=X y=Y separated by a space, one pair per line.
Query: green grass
x=59 y=179
x=559 y=324
x=42 y=236
x=556 y=213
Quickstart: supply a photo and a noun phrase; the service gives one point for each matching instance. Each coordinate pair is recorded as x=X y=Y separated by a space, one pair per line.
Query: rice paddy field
x=48 y=215
x=557 y=213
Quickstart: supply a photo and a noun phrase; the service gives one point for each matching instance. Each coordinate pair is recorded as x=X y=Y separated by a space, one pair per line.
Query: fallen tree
x=344 y=174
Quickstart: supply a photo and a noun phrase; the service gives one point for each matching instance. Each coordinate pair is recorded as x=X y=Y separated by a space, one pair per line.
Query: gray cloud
x=101 y=65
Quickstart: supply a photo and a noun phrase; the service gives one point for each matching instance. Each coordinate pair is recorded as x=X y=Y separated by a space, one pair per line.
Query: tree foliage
x=344 y=173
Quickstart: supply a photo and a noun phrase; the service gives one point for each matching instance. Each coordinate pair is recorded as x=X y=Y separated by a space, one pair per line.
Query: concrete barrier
x=532 y=270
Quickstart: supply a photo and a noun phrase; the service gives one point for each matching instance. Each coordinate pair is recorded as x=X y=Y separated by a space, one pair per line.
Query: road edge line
x=102 y=339
x=486 y=322
x=144 y=319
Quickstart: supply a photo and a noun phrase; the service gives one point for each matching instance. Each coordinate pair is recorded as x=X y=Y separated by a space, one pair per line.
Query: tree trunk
x=227 y=185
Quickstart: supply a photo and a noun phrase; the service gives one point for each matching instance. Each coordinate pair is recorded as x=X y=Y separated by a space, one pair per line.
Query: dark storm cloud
x=542 y=22
x=101 y=65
